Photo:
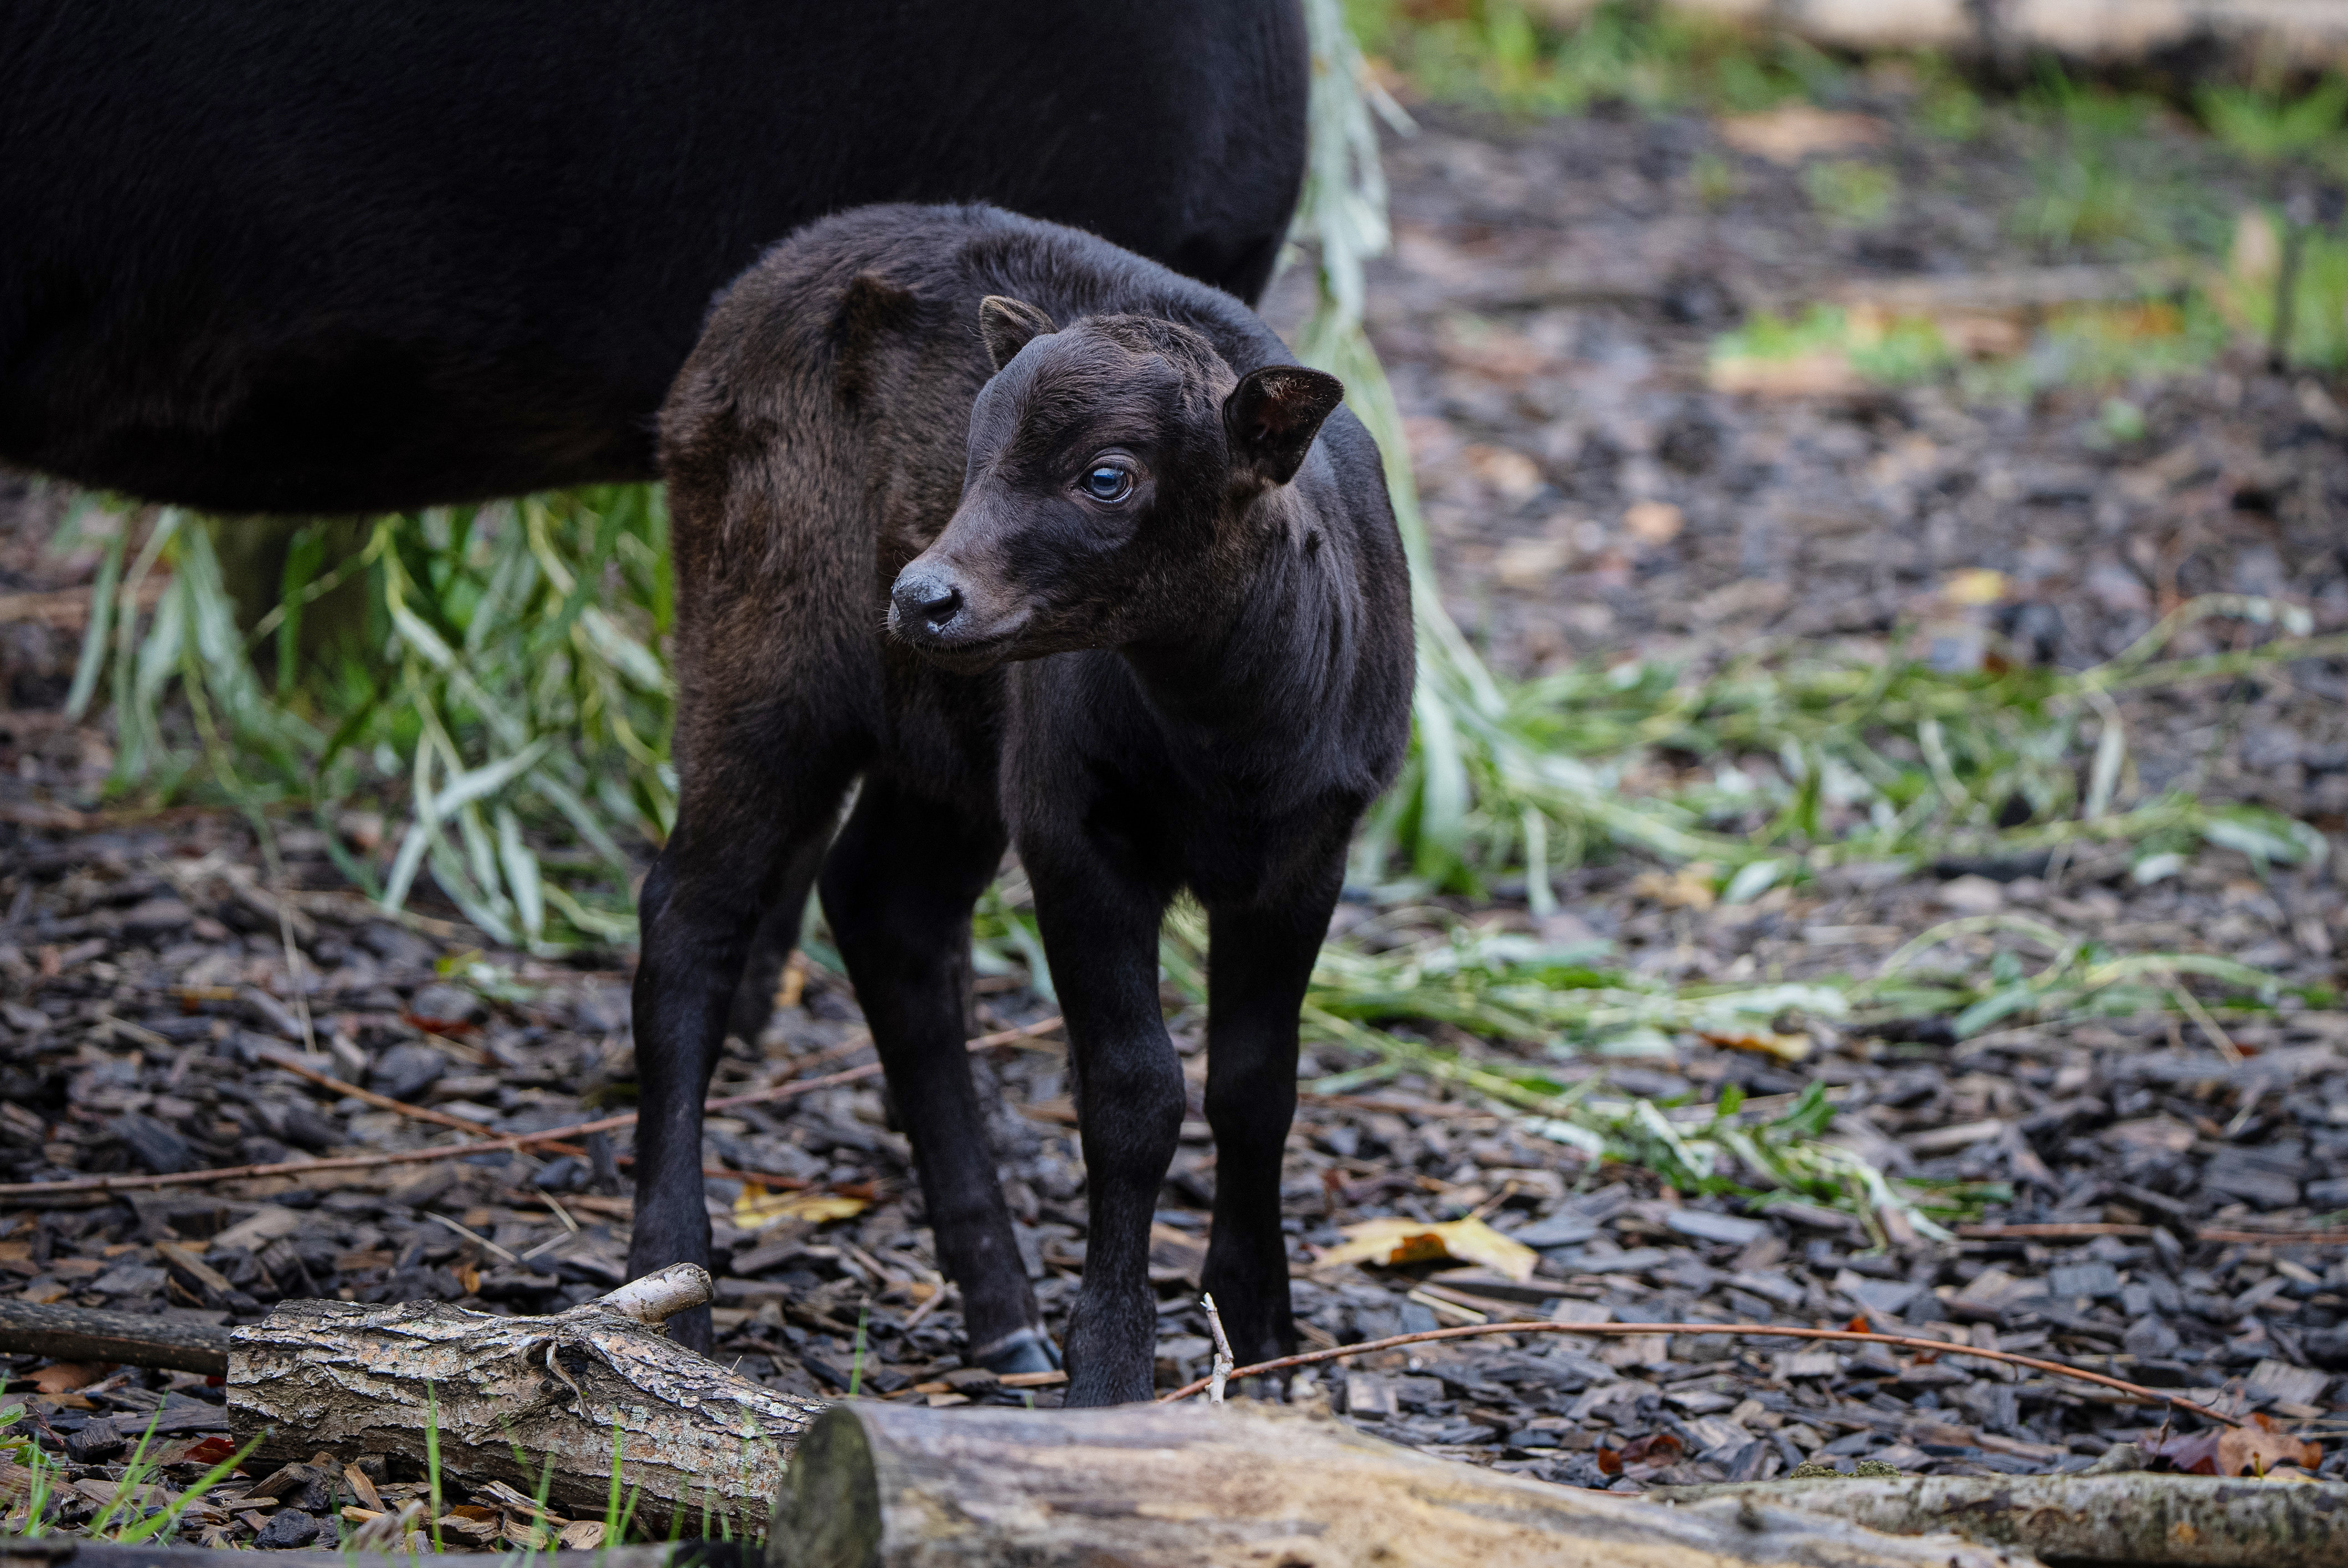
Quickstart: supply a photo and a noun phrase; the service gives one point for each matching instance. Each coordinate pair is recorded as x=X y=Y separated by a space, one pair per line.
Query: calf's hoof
x=1029 y=1350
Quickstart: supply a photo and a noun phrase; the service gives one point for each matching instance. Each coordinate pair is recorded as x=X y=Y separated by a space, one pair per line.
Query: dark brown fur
x=1199 y=686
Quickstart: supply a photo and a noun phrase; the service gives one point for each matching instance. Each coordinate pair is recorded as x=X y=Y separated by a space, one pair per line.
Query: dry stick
x=1223 y=1357
x=2073 y=1230
x=1938 y=1346
x=2209 y=1026
x=936 y=1299
x=482 y=1145
x=2060 y=1230
x=291 y=1063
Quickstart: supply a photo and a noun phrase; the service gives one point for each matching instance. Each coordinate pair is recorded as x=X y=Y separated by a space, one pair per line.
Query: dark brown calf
x=1146 y=618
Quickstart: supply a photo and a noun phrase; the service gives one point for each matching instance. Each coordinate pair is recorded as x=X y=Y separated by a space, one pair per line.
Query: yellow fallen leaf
x=1973 y=585
x=757 y=1208
x=1689 y=887
x=1768 y=1042
x=1393 y=1241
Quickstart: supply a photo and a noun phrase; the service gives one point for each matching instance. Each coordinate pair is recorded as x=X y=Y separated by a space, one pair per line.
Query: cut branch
x=78 y=1334
x=2156 y=1520
x=507 y=1395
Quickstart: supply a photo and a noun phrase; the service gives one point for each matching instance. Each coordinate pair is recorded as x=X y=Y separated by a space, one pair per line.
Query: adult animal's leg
x=748 y=839
x=1100 y=934
x=762 y=971
x=898 y=889
x=1259 y=960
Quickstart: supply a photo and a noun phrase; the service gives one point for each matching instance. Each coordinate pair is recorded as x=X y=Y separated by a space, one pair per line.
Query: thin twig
x=2082 y=1229
x=483 y=1146
x=289 y=1062
x=2067 y=1230
x=1224 y=1359
x=2209 y=1026
x=1938 y=1346
x=936 y=1299
x=471 y=1234
x=294 y=966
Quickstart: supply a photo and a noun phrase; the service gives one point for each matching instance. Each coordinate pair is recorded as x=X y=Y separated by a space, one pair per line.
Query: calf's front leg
x=1101 y=935
x=1259 y=960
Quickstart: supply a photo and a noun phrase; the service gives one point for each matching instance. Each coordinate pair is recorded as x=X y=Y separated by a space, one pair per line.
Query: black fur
x=270 y=255
x=1194 y=680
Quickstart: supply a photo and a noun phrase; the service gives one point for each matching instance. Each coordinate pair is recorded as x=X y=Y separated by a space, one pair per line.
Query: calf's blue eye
x=1107 y=483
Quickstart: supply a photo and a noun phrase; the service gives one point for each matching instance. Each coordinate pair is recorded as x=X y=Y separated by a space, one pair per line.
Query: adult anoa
x=1146 y=618
x=263 y=257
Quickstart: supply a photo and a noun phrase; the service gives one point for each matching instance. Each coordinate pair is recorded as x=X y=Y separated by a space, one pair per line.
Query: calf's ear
x=1272 y=415
x=1008 y=324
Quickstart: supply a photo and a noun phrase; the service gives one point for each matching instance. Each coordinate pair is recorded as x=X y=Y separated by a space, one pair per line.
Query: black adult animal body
x=264 y=255
x=1148 y=619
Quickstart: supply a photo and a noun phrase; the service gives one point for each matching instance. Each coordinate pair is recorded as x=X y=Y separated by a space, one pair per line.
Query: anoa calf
x=1034 y=543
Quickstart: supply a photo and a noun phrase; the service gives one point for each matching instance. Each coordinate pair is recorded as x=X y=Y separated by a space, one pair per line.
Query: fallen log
x=126 y=1339
x=509 y=1397
x=2184 y=1520
x=2206 y=37
x=876 y=1485
x=57 y=1551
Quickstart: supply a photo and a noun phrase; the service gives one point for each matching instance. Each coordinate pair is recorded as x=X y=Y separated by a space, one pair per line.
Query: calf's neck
x=1035 y=543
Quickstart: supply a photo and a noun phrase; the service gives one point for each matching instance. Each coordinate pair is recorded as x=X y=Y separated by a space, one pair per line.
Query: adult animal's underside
x=270 y=257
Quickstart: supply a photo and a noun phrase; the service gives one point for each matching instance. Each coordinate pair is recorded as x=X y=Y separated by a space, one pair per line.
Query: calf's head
x=1119 y=478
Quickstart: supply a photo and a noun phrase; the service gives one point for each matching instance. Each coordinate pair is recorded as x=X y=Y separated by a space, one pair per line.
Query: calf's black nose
x=926 y=600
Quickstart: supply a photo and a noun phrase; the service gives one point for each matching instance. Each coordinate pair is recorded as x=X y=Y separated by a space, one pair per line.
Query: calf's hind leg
x=739 y=851
x=762 y=971
x=898 y=889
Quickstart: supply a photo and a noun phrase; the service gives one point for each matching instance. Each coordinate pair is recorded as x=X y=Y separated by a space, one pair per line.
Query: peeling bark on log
x=78 y=1334
x=2186 y=1521
x=877 y=1485
x=369 y=1379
